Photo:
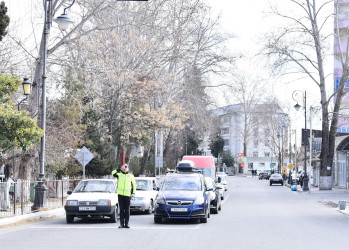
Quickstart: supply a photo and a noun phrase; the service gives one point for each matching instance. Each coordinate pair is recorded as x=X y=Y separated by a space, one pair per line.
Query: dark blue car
x=183 y=195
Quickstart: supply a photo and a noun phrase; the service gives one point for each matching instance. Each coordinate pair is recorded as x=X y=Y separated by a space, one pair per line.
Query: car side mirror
x=69 y=192
x=156 y=188
x=209 y=189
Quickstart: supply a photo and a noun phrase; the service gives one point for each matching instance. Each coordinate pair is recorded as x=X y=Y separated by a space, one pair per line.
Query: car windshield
x=143 y=185
x=190 y=183
x=95 y=186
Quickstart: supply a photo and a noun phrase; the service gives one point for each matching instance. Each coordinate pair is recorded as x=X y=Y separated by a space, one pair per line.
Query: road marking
x=114 y=228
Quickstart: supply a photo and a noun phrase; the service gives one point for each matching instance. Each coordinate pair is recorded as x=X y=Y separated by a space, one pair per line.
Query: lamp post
x=26 y=90
x=297 y=107
x=279 y=157
x=40 y=188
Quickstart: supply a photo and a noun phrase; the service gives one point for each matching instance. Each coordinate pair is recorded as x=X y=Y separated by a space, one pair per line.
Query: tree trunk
x=144 y=161
x=24 y=172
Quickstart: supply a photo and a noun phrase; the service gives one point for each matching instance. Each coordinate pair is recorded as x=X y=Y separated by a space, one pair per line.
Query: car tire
x=69 y=218
x=150 y=209
x=215 y=210
x=282 y=183
x=114 y=216
x=203 y=220
x=157 y=220
x=270 y=183
x=222 y=198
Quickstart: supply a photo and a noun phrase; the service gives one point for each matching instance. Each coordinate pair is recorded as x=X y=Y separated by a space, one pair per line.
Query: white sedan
x=93 y=198
x=146 y=191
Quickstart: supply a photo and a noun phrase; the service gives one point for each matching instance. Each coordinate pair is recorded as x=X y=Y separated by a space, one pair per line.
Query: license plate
x=179 y=209
x=87 y=208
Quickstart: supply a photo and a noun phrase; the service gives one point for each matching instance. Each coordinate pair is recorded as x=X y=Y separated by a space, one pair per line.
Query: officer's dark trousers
x=124 y=204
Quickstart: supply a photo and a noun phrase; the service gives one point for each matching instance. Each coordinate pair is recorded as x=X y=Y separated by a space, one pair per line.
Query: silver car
x=147 y=189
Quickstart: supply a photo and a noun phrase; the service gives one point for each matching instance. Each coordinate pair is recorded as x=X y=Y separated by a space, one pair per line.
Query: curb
x=32 y=216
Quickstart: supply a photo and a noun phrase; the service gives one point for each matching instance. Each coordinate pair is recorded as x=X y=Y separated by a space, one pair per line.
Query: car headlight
x=160 y=200
x=199 y=200
x=72 y=203
x=104 y=203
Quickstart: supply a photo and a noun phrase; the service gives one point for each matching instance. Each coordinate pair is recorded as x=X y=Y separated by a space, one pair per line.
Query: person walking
x=126 y=190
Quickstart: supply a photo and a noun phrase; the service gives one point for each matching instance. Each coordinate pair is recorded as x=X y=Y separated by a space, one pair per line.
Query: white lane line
x=116 y=228
x=225 y=198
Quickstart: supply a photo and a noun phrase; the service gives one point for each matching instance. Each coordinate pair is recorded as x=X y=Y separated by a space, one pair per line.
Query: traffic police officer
x=126 y=190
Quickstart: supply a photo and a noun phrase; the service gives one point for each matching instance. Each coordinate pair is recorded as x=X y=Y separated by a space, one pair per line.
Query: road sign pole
x=83 y=166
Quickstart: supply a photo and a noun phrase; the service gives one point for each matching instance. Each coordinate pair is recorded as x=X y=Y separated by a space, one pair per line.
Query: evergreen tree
x=4 y=20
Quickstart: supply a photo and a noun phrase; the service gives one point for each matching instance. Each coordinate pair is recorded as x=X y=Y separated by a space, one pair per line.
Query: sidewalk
x=328 y=198
x=32 y=216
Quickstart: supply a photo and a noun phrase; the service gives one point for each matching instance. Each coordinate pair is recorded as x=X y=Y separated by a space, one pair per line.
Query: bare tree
x=300 y=47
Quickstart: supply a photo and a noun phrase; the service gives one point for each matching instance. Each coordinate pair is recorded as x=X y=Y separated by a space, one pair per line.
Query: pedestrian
x=126 y=189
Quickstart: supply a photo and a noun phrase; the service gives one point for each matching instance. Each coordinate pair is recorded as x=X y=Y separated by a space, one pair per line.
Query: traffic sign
x=84 y=156
x=290 y=166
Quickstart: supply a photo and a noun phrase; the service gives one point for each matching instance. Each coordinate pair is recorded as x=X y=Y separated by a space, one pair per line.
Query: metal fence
x=17 y=198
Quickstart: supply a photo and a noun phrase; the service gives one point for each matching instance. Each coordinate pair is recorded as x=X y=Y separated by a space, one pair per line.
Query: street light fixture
x=26 y=90
x=65 y=21
x=297 y=106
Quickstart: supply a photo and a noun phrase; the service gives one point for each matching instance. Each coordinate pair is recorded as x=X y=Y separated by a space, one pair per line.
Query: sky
x=248 y=21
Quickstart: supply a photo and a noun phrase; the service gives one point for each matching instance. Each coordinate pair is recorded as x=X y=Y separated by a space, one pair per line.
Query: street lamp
x=26 y=90
x=297 y=107
x=40 y=188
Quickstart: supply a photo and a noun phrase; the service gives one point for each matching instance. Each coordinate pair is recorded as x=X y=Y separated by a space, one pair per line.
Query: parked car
x=93 y=198
x=264 y=175
x=295 y=179
x=183 y=195
x=276 y=178
x=215 y=196
x=223 y=179
x=147 y=189
x=221 y=189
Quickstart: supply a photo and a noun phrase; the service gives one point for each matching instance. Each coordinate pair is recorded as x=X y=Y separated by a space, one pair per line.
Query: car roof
x=146 y=178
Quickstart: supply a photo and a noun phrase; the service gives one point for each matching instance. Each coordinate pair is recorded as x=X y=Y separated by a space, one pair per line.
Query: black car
x=265 y=176
x=276 y=178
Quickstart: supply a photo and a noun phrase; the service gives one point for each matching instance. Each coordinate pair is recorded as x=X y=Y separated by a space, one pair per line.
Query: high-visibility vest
x=126 y=183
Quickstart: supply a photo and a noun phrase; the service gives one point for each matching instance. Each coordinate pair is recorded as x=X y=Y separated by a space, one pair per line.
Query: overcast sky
x=245 y=19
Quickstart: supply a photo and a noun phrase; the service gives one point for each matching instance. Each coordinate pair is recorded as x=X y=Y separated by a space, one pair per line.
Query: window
x=255 y=154
x=224 y=118
x=226 y=142
x=266 y=154
x=225 y=131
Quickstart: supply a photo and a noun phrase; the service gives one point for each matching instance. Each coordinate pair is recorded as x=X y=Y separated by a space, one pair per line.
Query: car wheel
x=69 y=218
x=157 y=220
x=270 y=183
x=151 y=208
x=282 y=183
x=215 y=210
x=114 y=217
x=203 y=220
x=222 y=198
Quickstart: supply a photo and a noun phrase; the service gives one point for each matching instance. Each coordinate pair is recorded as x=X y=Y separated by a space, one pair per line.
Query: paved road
x=254 y=216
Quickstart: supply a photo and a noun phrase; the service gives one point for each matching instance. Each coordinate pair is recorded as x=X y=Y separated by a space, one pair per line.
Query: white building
x=264 y=129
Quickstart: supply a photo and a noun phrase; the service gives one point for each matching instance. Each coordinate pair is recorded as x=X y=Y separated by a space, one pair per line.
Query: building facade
x=257 y=138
